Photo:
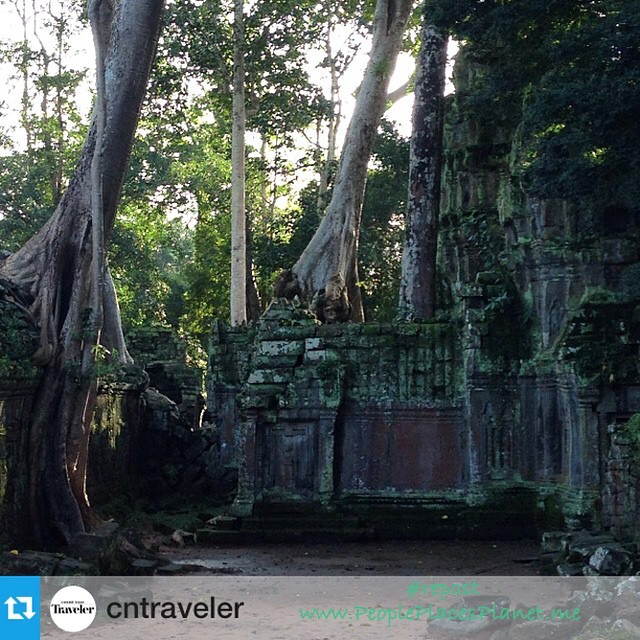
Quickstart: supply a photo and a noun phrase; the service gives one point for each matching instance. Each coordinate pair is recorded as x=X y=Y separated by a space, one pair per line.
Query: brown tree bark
x=418 y=284
x=327 y=270
x=61 y=272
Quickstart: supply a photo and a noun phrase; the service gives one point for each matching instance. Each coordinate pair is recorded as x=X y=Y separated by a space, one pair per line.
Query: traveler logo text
x=72 y=609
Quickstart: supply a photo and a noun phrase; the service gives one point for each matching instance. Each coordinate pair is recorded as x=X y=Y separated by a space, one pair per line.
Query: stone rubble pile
x=587 y=554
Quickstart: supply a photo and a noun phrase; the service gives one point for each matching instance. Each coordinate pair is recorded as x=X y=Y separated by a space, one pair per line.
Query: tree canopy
x=568 y=71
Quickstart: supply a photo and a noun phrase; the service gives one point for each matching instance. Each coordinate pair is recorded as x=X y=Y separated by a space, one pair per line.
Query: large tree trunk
x=238 y=213
x=70 y=292
x=418 y=283
x=327 y=269
x=334 y=123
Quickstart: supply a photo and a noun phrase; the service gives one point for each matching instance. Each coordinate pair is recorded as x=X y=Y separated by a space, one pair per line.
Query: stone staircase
x=502 y=514
x=285 y=527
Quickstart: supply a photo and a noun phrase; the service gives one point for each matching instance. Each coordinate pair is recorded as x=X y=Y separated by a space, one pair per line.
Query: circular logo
x=73 y=609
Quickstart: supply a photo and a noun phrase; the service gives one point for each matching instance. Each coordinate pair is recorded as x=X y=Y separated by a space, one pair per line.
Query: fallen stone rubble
x=587 y=554
x=107 y=551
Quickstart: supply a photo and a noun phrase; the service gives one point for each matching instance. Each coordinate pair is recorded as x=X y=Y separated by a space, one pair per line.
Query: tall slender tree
x=279 y=99
x=327 y=270
x=418 y=285
x=238 y=212
x=61 y=275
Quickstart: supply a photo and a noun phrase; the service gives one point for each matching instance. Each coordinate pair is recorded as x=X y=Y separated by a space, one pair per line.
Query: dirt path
x=375 y=559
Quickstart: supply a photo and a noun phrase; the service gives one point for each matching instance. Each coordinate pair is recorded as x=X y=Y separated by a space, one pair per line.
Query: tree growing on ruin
x=326 y=273
x=62 y=277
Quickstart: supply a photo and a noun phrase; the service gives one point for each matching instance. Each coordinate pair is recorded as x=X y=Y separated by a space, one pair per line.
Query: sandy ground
x=365 y=559
x=271 y=607
x=276 y=582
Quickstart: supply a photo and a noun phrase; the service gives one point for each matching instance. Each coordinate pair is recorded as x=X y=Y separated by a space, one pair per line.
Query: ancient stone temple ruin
x=515 y=411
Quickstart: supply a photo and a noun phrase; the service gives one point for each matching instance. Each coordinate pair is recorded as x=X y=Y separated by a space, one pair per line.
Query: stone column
x=245 y=448
x=326 y=448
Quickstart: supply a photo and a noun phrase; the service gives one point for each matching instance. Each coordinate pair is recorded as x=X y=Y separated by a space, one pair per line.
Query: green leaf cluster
x=569 y=72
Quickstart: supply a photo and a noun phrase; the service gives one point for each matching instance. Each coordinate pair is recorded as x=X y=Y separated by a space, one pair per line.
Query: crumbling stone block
x=611 y=560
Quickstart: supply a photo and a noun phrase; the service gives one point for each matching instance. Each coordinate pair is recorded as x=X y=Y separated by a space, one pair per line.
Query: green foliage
x=276 y=251
x=170 y=249
x=285 y=238
x=152 y=242
x=25 y=199
x=35 y=169
x=106 y=366
x=569 y=72
x=381 y=232
x=208 y=275
x=602 y=339
x=281 y=99
x=193 y=128
x=632 y=431
x=481 y=232
x=581 y=121
x=382 y=227
x=147 y=258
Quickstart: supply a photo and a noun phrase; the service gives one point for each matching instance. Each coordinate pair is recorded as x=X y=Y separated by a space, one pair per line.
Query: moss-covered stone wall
x=320 y=407
x=518 y=401
x=515 y=389
x=143 y=443
x=18 y=380
x=16 y=399
x=547 y=292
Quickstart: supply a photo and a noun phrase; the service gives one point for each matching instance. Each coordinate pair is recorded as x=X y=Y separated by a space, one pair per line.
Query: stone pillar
x=587 y=441
x=620 y=505
x=245 y=449
x=473 y=302
x=326 y=448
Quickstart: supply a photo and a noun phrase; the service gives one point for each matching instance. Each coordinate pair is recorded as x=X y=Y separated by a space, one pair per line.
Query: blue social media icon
x=20 y=608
